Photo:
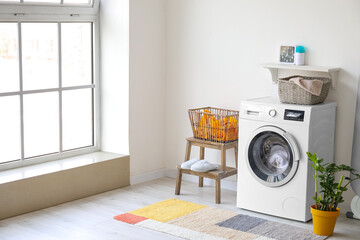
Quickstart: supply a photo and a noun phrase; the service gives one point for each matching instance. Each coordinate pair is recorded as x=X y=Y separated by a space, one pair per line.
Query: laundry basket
x=214 y=124
x=289 y=92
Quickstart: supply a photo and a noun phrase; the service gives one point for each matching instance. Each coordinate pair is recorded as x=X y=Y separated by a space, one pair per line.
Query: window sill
x=56 y=166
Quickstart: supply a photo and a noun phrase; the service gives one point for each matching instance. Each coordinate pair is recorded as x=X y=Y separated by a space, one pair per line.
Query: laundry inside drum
x=270 y=155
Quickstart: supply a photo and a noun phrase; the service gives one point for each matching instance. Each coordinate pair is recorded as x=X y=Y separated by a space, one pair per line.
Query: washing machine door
x=272 y=156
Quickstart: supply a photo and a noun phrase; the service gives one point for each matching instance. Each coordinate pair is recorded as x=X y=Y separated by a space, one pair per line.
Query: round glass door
x=271 y=158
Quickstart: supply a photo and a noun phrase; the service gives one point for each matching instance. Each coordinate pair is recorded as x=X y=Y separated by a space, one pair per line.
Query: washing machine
x=275 y=176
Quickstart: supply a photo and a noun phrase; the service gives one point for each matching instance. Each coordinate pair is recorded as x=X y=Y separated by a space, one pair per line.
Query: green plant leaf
x=331 y=190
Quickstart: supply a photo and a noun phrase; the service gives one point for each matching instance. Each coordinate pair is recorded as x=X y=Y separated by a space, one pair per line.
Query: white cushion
x=203 y=166
x=189 y=163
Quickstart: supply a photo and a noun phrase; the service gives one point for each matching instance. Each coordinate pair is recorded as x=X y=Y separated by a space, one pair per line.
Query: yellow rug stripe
x=167 y=210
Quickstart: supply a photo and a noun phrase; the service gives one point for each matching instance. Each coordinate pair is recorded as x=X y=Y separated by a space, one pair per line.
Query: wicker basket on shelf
x=214 y=124
x=289 y=92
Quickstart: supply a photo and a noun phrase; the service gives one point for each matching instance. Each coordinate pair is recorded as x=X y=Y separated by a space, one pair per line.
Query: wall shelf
x=274 y=70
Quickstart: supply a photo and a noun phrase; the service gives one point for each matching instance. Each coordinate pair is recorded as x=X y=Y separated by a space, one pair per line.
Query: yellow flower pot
x=324 y=221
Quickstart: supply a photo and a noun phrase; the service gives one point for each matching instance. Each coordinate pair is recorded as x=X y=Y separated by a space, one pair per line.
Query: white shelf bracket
x=334 y=78
x=274 y=74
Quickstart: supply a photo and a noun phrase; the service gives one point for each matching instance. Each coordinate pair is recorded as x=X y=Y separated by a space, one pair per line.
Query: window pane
x=40 y=55
x=77 y=119
x=9 y=61
x=76 y=54
x=10 y=129
x=41 y=123
x=77 y=1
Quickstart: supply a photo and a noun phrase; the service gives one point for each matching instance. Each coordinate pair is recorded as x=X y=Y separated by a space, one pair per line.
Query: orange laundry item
x=221 y=130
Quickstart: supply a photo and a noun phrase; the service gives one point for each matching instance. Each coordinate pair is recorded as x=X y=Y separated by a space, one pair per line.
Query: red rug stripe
x=130 y=218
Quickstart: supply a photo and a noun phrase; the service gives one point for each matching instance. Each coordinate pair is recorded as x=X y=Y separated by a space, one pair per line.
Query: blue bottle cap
x=300 y=49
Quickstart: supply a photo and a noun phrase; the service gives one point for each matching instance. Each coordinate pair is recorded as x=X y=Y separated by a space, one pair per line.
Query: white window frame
x=59 y=14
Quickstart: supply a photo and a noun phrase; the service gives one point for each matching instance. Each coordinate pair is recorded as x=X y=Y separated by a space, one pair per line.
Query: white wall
x=215 y=48
x=194 y=53
x=134 y=32
x=114 y=38
x=147 y=85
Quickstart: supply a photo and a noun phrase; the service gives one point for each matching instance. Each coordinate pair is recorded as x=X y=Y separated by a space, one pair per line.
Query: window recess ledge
x=35 y=187
x=56 y=166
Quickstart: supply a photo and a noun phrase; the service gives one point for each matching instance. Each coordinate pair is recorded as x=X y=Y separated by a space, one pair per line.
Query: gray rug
x=268 y=229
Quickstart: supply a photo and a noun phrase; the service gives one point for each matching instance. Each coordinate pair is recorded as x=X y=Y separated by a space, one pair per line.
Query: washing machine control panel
x=294 y=115
x=276 y=113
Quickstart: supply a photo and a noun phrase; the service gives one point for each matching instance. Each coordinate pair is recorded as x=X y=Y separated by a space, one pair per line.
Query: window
x=48 y=85
x=42 y=2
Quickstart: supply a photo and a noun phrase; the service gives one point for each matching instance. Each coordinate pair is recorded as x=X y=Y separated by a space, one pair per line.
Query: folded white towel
x=189 y=163
x=203 y=166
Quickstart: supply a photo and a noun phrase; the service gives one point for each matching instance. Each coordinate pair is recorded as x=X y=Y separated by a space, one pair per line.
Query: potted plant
x=325 y=211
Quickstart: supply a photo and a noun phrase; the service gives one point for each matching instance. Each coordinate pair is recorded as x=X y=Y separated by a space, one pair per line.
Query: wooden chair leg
x=178 y=182
x=202 y=153
x=223 y=158
x=187 y=151
x=218 y=192
x=202 y=156
x=201 y=181
x=236 y=155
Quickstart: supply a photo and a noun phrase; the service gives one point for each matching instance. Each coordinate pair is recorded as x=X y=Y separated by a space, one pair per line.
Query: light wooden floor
x=92 y=217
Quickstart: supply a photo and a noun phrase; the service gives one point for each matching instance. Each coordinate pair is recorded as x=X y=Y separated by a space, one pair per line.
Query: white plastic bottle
x=300 y=55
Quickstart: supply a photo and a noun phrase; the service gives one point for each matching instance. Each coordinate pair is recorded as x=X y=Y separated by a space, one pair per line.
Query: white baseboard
x=145 y=177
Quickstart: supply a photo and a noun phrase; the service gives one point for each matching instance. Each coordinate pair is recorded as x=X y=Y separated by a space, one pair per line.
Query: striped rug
x=194 y=221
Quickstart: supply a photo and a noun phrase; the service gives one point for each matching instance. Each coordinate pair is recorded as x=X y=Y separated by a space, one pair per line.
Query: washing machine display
x=294 y=115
